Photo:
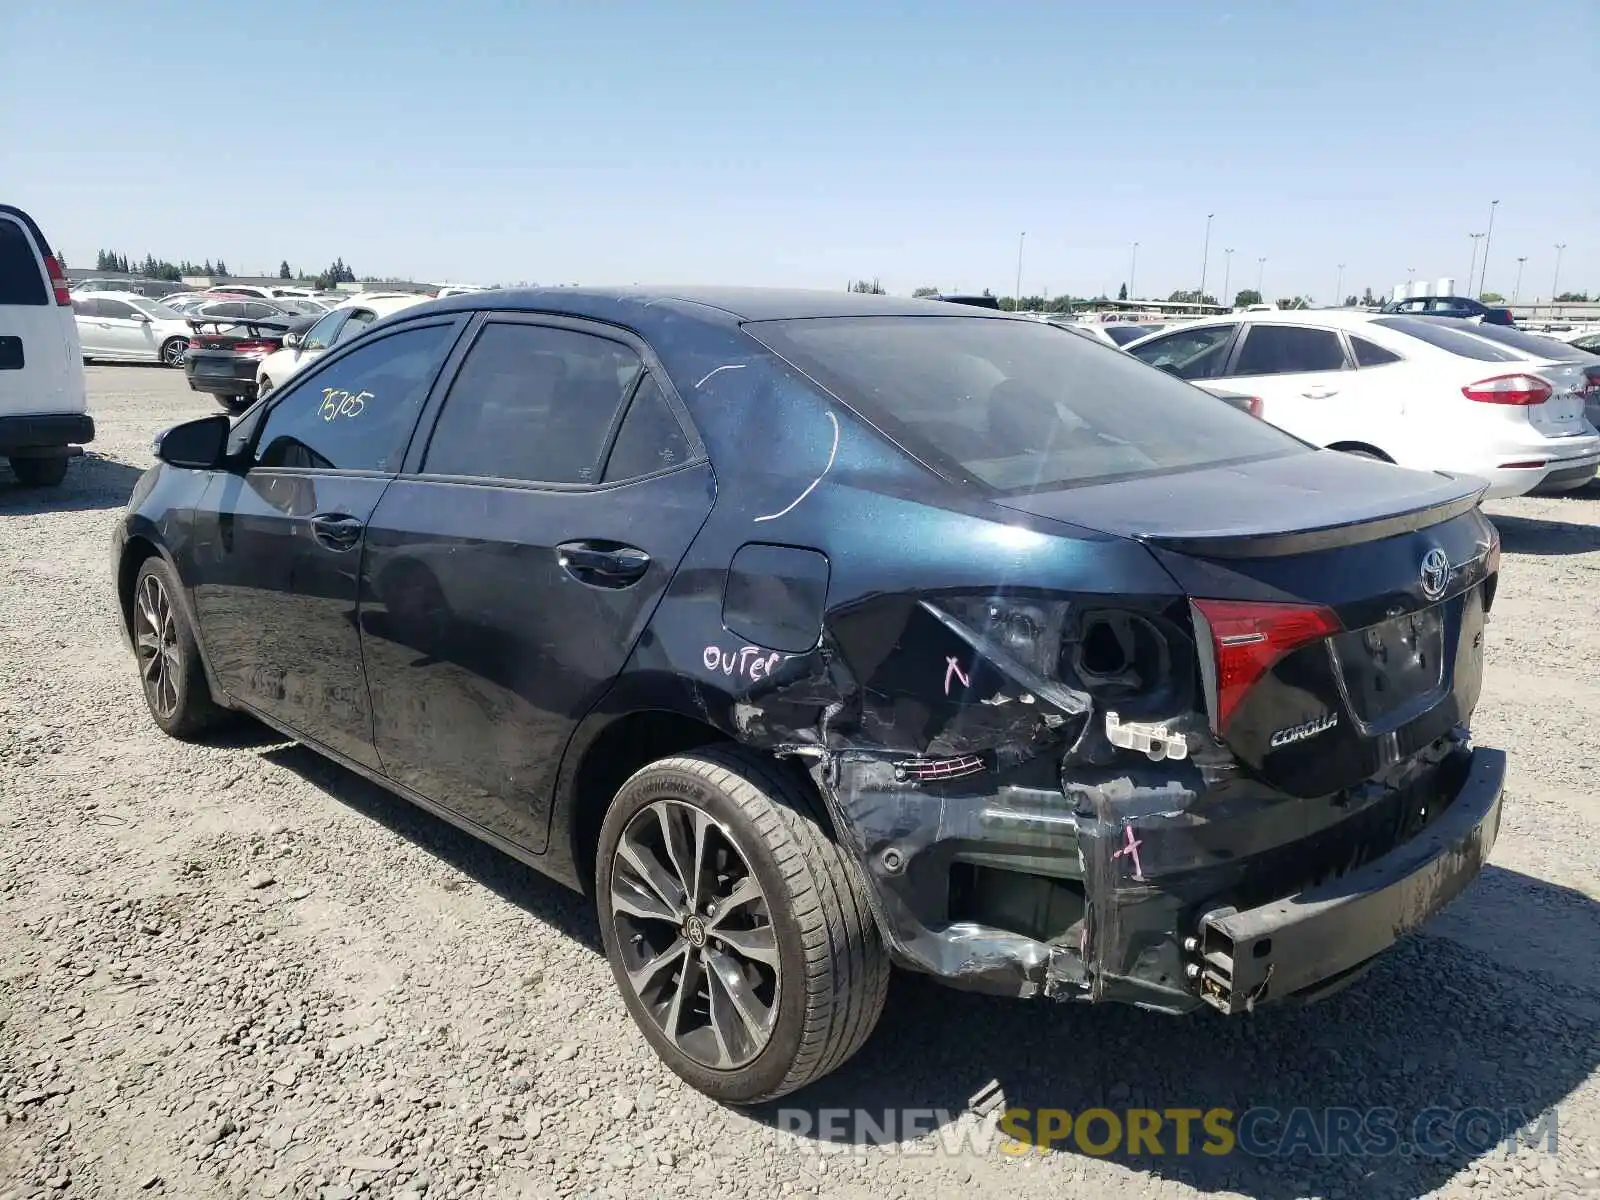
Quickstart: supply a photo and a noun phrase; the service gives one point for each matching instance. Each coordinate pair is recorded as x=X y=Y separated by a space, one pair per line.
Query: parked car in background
x=1537 y=348
x=1461 y=307
x=714 y=606
x=1586 y=341
x=458 y=289
x=44 y=404
x=184 y=301
x=340 y=325
x=123 y=327
x=1116 y=333
x=1418 y=391
x=226 y=349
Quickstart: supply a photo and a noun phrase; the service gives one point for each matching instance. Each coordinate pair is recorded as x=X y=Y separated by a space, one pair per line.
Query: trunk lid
x=1337 y=603
x=1562 y=415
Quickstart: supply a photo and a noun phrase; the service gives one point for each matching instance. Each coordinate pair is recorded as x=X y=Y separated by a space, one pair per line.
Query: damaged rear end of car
x=1229 y=773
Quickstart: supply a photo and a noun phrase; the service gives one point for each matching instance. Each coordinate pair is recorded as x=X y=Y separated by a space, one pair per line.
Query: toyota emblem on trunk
x=1435 y=575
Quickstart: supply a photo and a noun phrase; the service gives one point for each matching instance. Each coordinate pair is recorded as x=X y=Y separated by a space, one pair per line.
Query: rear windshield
x=1446 y=337
x=1531 y=343
x=1123 y=334
x=21 y=280
x=1014 y=404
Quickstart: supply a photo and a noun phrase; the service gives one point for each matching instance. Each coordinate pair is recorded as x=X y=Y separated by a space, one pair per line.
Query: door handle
x=601 y=564
x=336 y=531
x=1320 y=393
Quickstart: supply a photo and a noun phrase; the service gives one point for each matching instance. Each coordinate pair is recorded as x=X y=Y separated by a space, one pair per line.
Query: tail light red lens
x=1509 y=389
x=1254 y=406
x=1591 y=383
x=58 y=280
x=254 y=347
x=1248 y=638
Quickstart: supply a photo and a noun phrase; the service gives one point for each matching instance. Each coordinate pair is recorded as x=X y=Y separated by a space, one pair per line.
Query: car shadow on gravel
x=1530 y=535
x=1447 y=1037
x=93 y=482
x=560 y=907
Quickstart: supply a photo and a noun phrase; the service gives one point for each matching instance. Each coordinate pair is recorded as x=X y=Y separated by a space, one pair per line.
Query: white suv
x=44 y=407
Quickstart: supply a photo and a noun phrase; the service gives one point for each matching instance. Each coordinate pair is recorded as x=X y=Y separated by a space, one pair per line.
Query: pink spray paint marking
x=1131 y=848
x=952 y=671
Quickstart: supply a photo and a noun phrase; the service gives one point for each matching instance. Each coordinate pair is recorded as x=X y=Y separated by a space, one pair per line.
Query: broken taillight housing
x=1027 y=630
x=1248 y=638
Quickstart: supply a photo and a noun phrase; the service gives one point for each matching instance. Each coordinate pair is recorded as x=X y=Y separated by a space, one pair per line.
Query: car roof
x=717 y=305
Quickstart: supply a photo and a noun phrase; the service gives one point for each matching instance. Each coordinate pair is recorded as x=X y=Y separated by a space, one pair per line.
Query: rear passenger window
x=650 y=439
x=1289 y=350
x=532 y=403
x=1369 y=354
x=356 y=413
x=117 y=309
x=21 y=278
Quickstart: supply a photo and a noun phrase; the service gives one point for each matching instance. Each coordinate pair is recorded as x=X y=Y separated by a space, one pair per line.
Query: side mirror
x=200 y=445
x=141 y=318
x=291 y=340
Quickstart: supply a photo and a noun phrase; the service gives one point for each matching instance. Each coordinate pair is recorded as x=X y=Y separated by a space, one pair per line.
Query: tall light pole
x=1555 y=281
x=1016 y=303
x=1517 y=291
x=1227 y=270
x=1472 y=270
x=1261 y=271
x=1488 y=237
x=1132 y=265
x=1338 y=288
x=1205 y=255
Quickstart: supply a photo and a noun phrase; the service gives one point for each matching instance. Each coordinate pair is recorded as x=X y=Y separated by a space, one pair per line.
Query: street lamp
x=1472 y=270
x=1205 y=255
x=1338 y=288
x=1483 y=275
x=1517 y=291
x=1555 y=281
x=1016 y=304
x=1132 y=263
x=1227 y=270
x=1261 y=270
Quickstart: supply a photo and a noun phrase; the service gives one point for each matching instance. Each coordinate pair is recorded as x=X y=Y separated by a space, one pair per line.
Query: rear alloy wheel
x=170 y=671
x=40 y=472
x=173 y=350
x=737 y=929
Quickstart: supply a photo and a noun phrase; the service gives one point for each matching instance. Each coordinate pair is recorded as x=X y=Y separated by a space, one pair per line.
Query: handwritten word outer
x=750 y=662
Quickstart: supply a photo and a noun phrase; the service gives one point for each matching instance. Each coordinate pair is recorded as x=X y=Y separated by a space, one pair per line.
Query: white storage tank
x=1399 y=292
x=1419 y=287
x=1446 y=287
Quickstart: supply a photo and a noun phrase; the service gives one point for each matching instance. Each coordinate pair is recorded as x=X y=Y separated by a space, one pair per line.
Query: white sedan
x=1423 y=392
x=339 y=325
x=130 y=328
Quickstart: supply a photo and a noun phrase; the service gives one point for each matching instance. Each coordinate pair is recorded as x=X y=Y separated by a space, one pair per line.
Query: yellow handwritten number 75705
x=337 y=403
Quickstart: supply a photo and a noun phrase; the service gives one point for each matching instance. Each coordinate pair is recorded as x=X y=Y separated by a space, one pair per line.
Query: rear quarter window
x=21 y=277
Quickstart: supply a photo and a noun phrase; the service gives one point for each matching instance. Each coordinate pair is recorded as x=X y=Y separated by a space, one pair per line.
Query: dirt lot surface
x=237 y=970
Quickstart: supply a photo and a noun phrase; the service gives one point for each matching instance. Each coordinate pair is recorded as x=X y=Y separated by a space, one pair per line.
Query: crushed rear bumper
x=1302 y=943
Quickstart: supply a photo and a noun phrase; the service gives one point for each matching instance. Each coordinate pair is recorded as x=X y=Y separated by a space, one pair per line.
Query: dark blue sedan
x=812 y=633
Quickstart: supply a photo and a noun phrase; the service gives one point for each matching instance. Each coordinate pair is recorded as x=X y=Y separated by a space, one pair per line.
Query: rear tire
x=171 y=674
x=40 y=472
x=777 y=925
x=172 y=352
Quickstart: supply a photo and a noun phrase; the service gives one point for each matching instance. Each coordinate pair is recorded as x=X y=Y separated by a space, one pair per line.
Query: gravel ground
x=238 y=970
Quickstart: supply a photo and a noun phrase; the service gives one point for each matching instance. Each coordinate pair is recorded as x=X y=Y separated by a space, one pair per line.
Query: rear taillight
x=1509 y=389
x=1591 y=383
x=1253 y=406
x=1248 y=638
x=58 y=280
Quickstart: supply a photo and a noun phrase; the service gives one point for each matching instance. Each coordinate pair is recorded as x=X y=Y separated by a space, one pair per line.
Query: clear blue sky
x=809 y=144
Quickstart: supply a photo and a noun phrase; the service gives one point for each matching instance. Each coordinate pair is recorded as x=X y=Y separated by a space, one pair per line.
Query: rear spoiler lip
x=1323 y=537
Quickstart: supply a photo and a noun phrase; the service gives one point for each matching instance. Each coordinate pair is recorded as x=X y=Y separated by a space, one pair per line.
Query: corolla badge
x=1435 y=574
x=1299 y=733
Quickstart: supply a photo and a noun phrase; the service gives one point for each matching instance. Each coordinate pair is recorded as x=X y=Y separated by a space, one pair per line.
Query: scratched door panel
x=483 y=651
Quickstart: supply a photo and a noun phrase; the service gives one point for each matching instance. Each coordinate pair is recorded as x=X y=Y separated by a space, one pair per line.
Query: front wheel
x=40 y=472
x=173 y=351
x=170 y=670
x=736 y=927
